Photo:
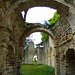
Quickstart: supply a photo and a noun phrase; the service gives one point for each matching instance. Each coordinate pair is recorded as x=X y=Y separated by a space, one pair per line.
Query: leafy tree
x=44 y=37
x=52 y=21
x=23 y=60
x=35 y=59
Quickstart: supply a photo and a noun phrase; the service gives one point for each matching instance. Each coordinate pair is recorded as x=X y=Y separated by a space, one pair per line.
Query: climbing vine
x=44 y=37
x=51 y=23
x=35 y=59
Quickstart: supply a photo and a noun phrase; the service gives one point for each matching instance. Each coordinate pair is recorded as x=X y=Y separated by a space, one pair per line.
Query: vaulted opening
x=70 y=62
x=15 y=28
x=45 y=51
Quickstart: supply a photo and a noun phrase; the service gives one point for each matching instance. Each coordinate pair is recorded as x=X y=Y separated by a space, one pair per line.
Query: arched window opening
x=29 y=46
x=35 y=50
x=70 y=62
x=35 y=59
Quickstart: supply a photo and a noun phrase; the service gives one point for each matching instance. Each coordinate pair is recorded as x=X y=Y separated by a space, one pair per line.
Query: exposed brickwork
x=13 y=32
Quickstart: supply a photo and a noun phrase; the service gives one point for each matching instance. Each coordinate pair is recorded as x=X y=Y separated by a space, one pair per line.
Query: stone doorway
x=70 y=62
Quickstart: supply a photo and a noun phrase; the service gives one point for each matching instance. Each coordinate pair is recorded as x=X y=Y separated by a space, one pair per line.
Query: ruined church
x=13 y=32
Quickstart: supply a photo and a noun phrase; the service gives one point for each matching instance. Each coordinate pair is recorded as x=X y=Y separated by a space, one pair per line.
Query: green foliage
x=37 y=70
x=44 y=37
x=53 y=21
x=35 y=60
x=23 y=60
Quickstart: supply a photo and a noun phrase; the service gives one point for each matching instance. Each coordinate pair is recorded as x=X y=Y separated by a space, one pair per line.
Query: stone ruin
x=13 y=32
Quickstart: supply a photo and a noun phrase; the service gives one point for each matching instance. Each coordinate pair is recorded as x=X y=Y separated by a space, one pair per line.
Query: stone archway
x=36 y=28
x=12 y=25
x=70 y=62
x=34 y=57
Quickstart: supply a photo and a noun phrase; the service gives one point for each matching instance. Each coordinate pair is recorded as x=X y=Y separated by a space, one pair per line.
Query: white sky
x=36 y=37
x=38 y=15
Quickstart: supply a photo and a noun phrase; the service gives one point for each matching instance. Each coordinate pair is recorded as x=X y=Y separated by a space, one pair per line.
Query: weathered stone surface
x=12 y=29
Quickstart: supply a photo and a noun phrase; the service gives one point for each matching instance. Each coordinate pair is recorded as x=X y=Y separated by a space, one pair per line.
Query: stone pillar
x=4 y=38
x=46 y=53
x=30 y=53
x=19 y=68
x=10 y=61
x=26 y=56
x=40 y=55
x=44 y=59
x=19 y=59
x=71 y=19
x=57 y=60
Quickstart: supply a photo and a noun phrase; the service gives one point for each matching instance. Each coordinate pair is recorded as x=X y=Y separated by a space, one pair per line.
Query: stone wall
x=30 y=51
x=49 y=53
x=12 y=29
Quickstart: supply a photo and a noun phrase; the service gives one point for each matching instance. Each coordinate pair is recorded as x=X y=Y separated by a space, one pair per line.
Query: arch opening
x=35 y=59
x=70 y=62
x=42 y=50
x=38 y=14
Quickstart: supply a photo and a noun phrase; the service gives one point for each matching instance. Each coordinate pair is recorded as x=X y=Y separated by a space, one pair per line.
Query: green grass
x=37 y=70
x=35 y=63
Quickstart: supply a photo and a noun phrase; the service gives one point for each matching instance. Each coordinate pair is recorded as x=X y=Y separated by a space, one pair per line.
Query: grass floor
x=37 y=70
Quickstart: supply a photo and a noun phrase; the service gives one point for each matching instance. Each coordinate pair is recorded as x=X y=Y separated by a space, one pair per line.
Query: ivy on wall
x=44 y=37
x=51 y=23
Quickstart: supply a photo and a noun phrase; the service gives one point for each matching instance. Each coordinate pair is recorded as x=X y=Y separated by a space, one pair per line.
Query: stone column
x=40 y=55
x=57 y=60
x=26 y=56
x=30 y=53
x=46 y=53
x=7 y=59
x=4 y=38
x=71 y=19
x=19 y=59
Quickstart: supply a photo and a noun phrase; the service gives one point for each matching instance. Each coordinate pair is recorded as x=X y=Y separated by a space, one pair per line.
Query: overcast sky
x=38 y=15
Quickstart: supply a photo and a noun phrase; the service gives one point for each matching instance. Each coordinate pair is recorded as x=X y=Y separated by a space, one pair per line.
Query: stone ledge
x=68 y=40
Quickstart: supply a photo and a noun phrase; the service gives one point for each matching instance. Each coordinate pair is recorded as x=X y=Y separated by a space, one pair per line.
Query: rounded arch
x=70 y=54
x=35 y=56
x=36 y=29
x=70 y=61
x=69 y=47
x=23 y=5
